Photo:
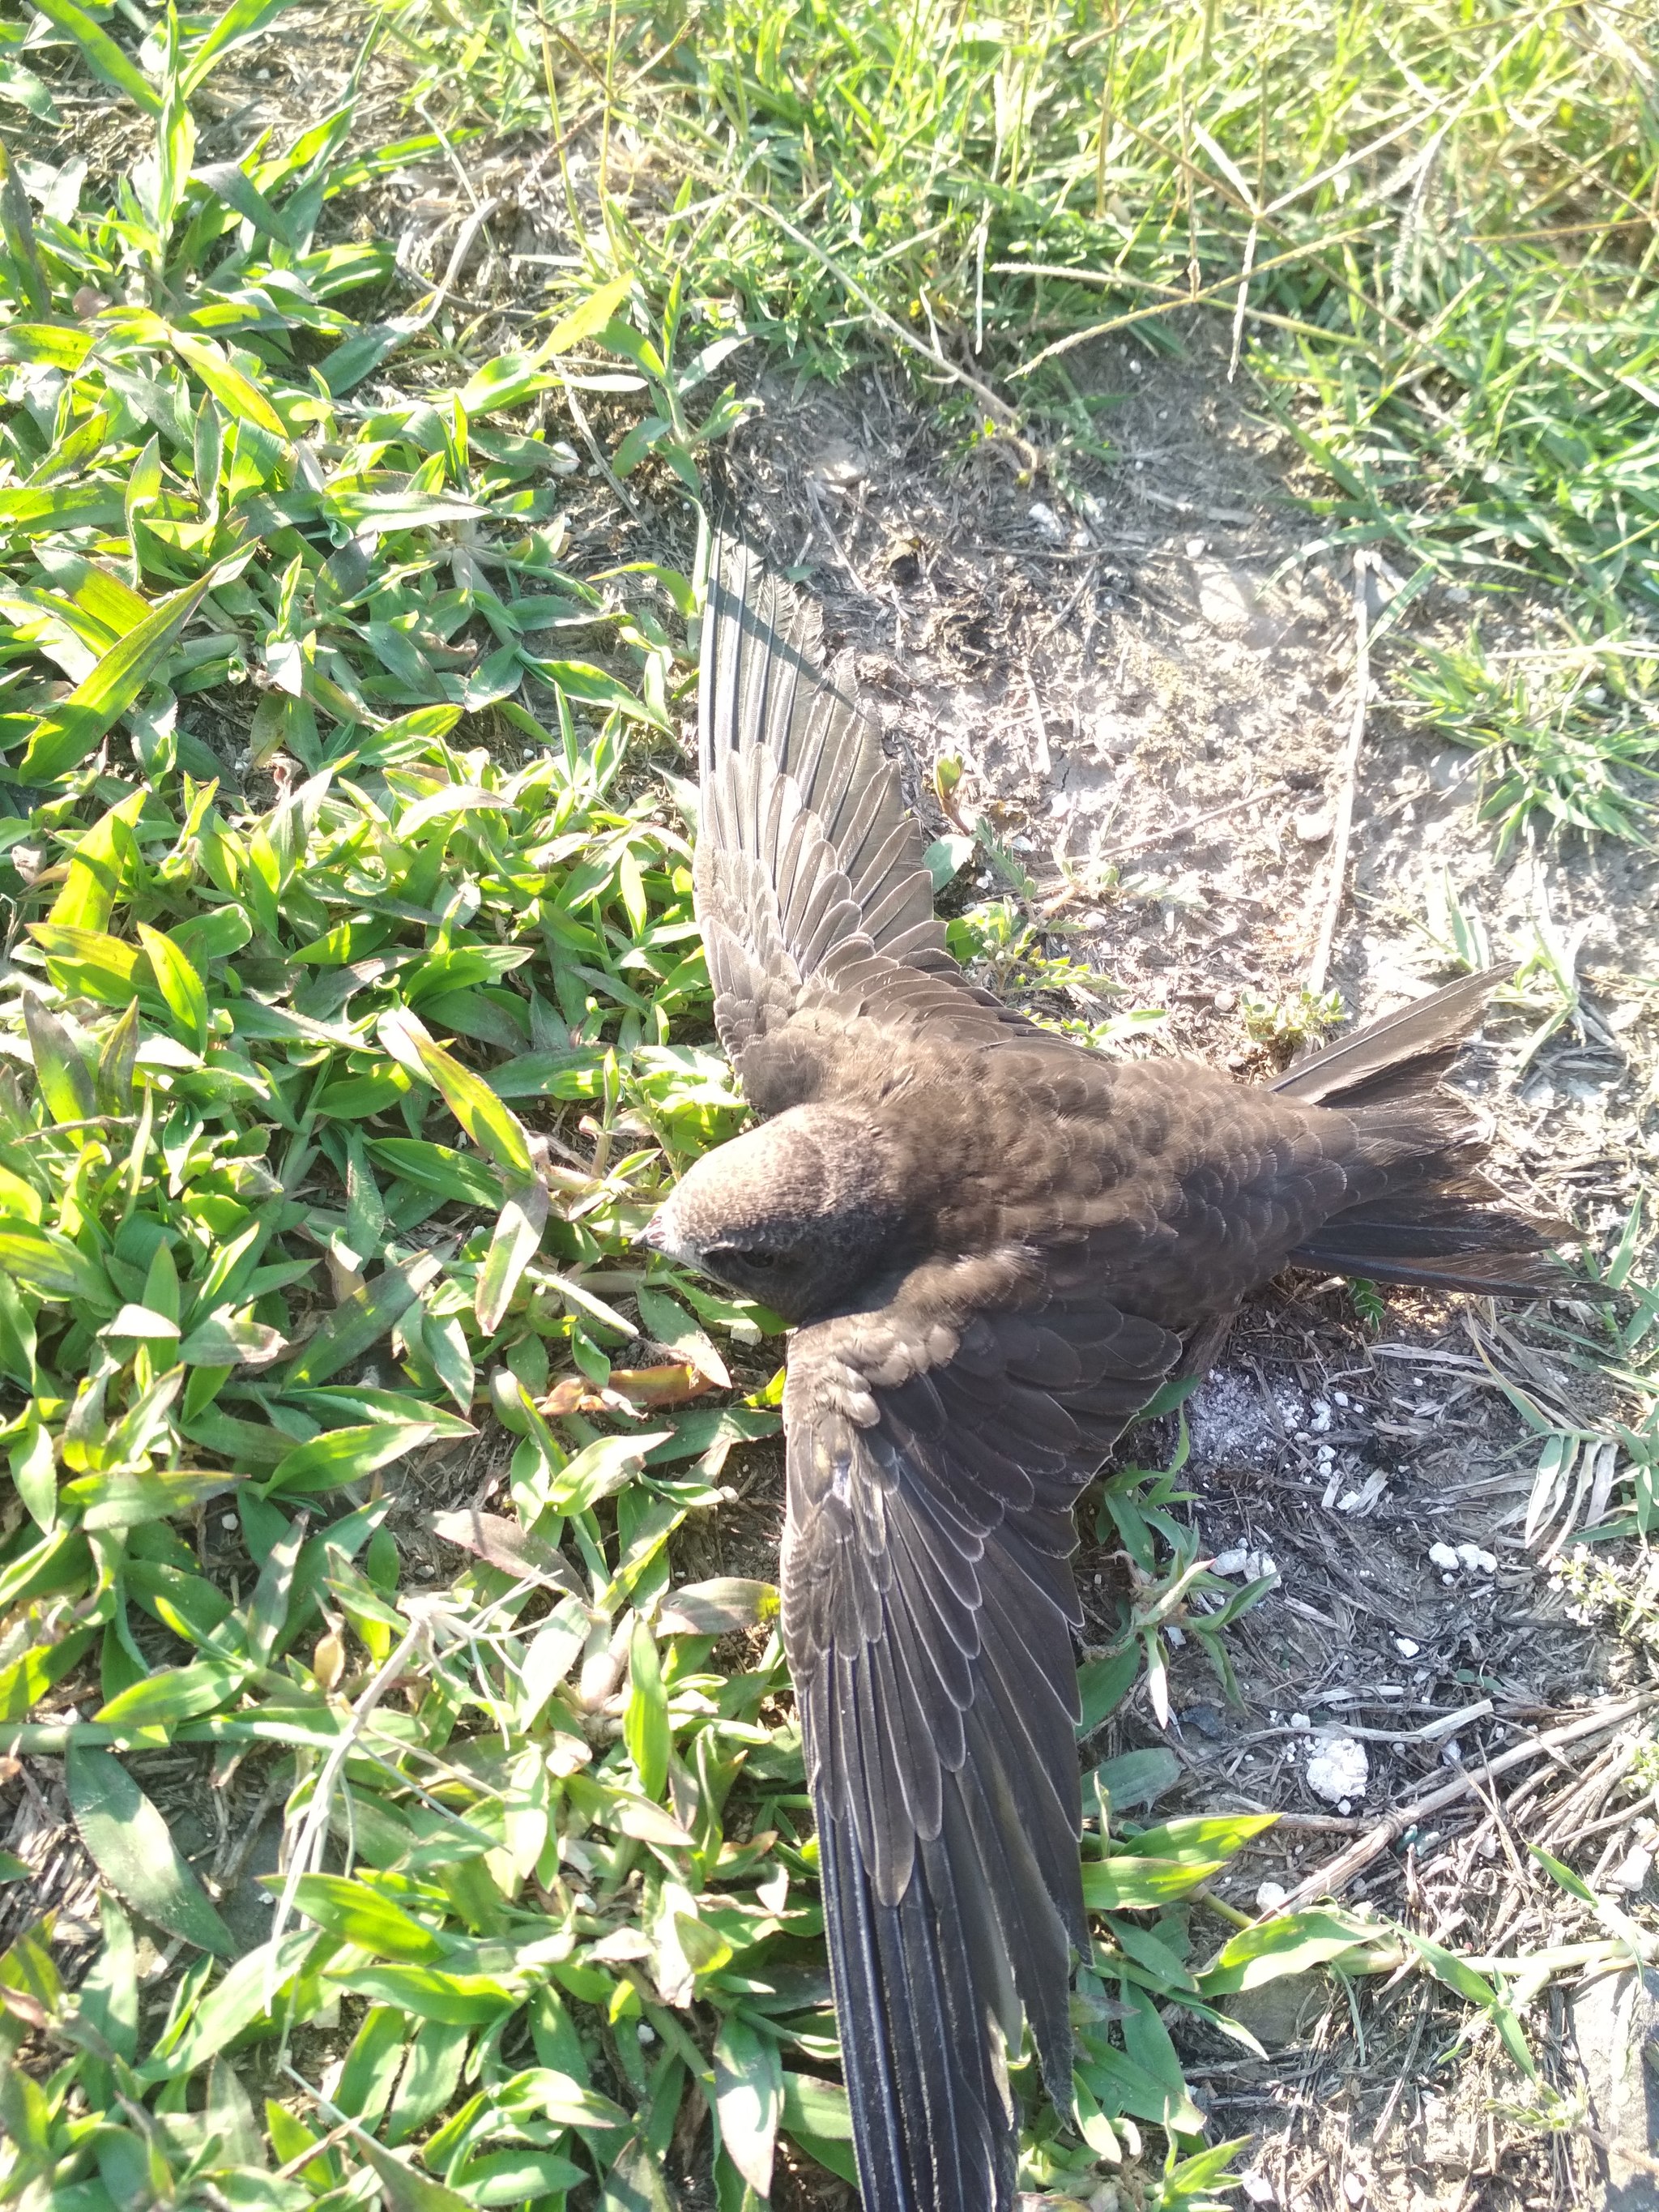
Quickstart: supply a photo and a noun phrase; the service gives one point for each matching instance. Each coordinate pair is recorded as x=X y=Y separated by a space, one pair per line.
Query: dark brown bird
x=993 y=1246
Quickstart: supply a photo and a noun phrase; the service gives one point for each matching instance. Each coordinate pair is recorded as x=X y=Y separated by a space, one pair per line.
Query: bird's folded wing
x=927 y=1611
x=811 y=880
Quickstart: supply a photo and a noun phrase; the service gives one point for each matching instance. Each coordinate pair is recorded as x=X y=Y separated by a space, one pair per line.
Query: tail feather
x=1427 y=1217
x=1402 y=1056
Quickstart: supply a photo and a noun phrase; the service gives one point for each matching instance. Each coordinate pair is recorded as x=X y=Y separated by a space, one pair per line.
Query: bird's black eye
x=749 y=1259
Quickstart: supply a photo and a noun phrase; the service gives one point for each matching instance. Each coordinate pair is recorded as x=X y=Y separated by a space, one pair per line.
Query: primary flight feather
x=992 y=1246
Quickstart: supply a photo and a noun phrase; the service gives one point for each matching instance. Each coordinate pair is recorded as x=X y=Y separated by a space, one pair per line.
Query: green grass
x=355 y=1015
x=1430 y=231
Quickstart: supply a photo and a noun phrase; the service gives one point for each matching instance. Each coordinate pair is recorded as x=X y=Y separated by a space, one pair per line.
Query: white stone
x=1477 y=1561
x=1258 y=2188
x=1271 y=1896
x=1443 y=1555
x=1321 y=1416
x=1406 y=1648
x=1237 y=1559
x=1300 y=1721
x=1049 y=523
x=1634 y=1872
x=1338 y=1768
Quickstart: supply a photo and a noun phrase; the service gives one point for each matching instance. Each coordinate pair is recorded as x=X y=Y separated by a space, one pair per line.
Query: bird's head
x=796 y=1213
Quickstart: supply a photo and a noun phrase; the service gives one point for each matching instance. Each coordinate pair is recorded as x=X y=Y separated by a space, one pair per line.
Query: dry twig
x=1319 y=965
x=1334 y=1877
x=1069 y=891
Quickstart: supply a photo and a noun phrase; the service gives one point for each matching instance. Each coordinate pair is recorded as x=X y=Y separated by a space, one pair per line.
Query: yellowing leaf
x=513 y=1246
x=64 y=735
x=229 y=385
x=342 y=1454
x=94 y=882
x=589 y=317
x=493 y=1127
x=361 y=1916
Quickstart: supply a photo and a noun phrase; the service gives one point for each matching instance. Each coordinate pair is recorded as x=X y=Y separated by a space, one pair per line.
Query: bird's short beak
x=661 y=1234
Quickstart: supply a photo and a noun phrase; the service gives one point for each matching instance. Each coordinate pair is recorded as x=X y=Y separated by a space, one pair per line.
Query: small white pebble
x=1258 y=2188
x=1238 y=1560
x=1195 y=546
x=1271 y=1896
x=1451 y=1754
x=1634 y=1872
x=1476 y=1561
x=1321 y=1416
x=1443 y=1555
x=1177 y=1635
x=1448 y=1580
x=1300 y=1721
x=1353 y=2188
x=228 y=1521
x=1406 y=1648
x=1338 y=1769
x=1341 y=1398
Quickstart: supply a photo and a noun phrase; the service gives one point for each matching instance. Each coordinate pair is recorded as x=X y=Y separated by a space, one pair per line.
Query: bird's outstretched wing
x=813 y=891
x=927 y=1613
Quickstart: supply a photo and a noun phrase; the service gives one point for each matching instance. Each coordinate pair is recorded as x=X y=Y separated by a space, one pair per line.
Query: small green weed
x=1172 y=1587
x=1302 y=1020
x=1565 y=737
x=996 y=936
